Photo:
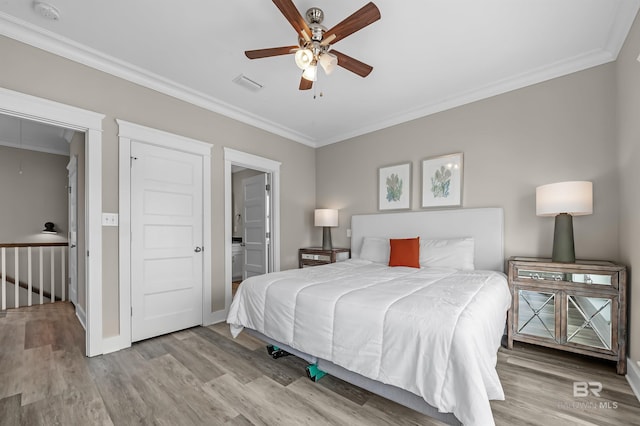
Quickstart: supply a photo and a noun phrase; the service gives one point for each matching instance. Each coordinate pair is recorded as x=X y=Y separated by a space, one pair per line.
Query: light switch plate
x=109 y=219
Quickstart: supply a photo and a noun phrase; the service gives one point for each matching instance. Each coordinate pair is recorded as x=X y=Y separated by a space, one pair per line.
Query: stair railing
x=46 y=274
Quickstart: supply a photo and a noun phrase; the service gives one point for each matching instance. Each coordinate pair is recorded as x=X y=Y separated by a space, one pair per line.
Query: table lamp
x=326 y=218
x=564 y=200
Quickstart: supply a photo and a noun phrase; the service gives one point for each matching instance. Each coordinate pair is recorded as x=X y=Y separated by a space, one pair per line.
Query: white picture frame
x=394 y=187
x=442 y=179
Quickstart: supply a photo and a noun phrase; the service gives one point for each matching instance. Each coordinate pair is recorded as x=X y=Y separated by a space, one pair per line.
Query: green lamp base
x=563 y=248
x=326 y=238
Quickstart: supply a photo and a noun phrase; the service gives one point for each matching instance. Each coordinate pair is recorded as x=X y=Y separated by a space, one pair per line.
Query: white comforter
x=434 y=332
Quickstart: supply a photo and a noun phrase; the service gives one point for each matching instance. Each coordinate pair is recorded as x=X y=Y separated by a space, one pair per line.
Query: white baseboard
x=215 y=317
x=82 y=316
x=114 y=343
x=633 y=376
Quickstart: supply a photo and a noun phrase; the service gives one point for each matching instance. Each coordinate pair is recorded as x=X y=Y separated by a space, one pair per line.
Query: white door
x=72 y=167
x=256 y=225
x=166 y=240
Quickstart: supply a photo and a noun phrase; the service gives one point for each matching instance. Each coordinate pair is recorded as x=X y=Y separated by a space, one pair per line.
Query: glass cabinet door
x=589 y=321
x=536 y=313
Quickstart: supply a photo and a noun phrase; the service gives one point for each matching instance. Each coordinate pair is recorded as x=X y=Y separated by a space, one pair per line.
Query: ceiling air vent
x=247 y=83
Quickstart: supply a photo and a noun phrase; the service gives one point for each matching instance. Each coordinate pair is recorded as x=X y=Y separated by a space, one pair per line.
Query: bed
x=426 y=337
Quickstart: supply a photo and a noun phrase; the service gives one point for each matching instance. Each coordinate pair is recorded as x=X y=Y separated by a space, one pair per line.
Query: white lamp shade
x=575 y=198
x=310 y=73
x=328 y=61
x=326 y=217
x=303 y=58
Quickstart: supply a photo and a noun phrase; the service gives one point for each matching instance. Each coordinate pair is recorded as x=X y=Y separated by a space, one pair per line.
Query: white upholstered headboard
x=485 y=225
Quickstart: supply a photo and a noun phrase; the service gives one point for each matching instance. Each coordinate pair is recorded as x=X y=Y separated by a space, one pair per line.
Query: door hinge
x=87 y=253
x=268 y=187
x=131 y=160
x=268 y=235
x=69 y=190
x=132 y=311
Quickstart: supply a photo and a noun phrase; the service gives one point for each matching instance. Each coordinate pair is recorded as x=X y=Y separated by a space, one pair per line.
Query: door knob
x=198 y=249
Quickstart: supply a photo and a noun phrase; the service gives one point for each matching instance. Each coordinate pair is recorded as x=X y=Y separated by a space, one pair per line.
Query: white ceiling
x=34 y=136
x=428 y=55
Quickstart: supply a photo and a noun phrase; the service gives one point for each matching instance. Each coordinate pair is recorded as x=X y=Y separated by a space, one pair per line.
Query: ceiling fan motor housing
x=315 y=16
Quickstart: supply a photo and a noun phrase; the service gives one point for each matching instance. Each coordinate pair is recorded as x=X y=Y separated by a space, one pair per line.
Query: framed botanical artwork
x=442 y=181
x=394 y=187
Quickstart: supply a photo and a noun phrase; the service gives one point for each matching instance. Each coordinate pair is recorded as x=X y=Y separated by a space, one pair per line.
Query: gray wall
x=628 y=90
x=559 y=130
x=36 y=196
x=73 y=84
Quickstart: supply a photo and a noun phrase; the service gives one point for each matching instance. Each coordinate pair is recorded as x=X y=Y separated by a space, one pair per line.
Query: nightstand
x=314 y=256
x=578 y=307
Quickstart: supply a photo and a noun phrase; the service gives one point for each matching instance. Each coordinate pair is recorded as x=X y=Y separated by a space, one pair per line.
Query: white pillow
x=375 y=249
x=455 y=253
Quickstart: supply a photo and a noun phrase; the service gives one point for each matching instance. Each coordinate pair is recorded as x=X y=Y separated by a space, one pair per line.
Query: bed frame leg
x=314 y=373
x=276 y=352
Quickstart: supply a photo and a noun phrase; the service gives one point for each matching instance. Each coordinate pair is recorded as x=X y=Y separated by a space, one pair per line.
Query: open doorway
x=41 y=167
x=257 y=182
x=251 y=224
x=41 y=110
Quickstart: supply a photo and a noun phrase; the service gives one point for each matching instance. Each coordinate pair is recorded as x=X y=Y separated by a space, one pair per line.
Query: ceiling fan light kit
x=311 y=72
x=328 y=62
x=303 y=58
x=315 y=41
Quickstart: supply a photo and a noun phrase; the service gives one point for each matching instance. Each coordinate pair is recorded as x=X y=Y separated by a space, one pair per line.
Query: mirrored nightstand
x=578 y=307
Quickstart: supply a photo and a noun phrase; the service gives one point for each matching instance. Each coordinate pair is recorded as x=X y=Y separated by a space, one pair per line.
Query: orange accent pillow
x=405 y=252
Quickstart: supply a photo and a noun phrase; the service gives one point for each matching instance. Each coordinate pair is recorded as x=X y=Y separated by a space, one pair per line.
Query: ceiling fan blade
x=289 y=10
x=274 y=51
x=305 y=84
x=353 y=65
x=367 y=15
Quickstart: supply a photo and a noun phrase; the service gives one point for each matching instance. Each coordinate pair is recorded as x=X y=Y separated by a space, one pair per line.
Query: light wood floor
x=202 y=376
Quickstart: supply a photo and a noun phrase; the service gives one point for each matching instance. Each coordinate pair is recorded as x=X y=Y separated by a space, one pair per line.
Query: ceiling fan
x=315 y=42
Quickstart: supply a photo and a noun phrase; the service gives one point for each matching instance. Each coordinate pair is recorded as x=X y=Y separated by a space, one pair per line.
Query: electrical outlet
x=109 y=219
x=348 y=233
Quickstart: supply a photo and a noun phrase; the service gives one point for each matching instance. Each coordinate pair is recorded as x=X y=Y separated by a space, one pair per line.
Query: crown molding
x=540 y=75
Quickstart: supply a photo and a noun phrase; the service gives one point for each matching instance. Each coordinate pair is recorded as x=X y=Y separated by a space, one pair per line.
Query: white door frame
x=72 y=202
x=127 y=133
x=250 y=161
x=42 y=110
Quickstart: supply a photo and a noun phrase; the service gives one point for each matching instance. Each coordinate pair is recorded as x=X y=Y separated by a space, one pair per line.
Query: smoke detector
x=46 y=10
